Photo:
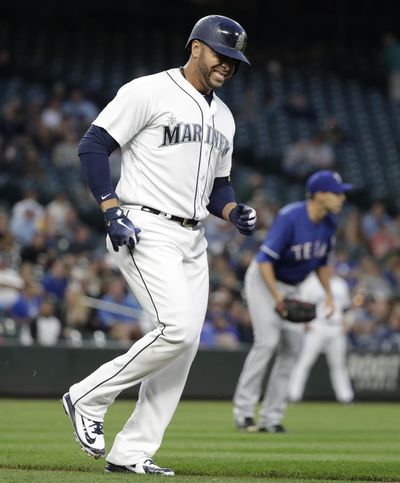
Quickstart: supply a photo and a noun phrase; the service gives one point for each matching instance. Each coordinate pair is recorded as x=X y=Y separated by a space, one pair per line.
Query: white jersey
x=174 y=144
x=311 y=290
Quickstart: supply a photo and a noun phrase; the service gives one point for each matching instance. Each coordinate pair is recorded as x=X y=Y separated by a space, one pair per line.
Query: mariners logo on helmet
x=223 y=35
x=241 y=42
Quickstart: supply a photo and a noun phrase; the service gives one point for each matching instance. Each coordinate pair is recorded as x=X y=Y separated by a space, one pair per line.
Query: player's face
x=213 y=68
x=334 y=202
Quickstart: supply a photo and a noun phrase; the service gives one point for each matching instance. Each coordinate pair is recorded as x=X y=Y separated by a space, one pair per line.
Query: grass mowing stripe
x=326 y=442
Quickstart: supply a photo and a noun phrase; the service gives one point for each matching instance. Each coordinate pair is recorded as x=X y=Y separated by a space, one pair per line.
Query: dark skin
x=207 y=70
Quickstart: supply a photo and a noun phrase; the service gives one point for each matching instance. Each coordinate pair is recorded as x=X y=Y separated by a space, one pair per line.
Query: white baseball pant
x=321 y=337
x=168 y=273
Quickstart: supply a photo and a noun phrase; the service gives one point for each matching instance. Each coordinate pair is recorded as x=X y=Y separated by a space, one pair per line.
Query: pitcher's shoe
x=277 y=428
x=246 y=424
x=88 y=433
x=148 y=467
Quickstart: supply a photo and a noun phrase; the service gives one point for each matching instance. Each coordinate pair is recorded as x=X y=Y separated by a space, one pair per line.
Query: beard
x=211 y=76
x=206 y=74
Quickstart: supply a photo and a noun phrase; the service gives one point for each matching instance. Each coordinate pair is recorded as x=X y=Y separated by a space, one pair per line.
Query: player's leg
x=156 y=275
x=336 y=354
x=159 y=395
x=309 y=352
x=266 y=329
x=275 y=400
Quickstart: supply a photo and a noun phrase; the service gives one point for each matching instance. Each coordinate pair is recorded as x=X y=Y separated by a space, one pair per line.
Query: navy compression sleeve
x=94 y=148
x=221 y=194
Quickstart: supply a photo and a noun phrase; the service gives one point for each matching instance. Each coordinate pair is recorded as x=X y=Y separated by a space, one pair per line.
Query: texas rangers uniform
x=295 y=246
x=325 y=335
x=174 y=144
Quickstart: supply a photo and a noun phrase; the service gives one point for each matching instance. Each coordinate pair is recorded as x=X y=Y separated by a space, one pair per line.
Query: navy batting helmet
x=223 y=35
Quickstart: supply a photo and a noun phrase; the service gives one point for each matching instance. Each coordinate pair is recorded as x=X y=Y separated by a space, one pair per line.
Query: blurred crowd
x=57 y=282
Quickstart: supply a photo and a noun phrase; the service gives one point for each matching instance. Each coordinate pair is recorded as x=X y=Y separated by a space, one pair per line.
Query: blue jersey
x=295 y=245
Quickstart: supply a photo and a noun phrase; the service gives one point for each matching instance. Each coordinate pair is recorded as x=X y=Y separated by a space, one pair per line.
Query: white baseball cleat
x=147 y=467
x=88 y=433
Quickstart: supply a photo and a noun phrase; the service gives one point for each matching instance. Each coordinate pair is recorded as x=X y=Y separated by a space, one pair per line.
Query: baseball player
x=324 y=335
x=176 y=138
x=298 y=243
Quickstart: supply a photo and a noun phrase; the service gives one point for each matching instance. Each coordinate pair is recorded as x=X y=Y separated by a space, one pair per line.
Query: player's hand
x=120 y=229
x=329 y=306
x=244 y=218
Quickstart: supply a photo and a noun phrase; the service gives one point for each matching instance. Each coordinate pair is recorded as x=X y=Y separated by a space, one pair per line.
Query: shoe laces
x=97 y=427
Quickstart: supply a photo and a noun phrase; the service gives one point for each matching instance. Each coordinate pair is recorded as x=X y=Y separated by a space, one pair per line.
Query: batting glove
x=120 y=229
x=244 y=218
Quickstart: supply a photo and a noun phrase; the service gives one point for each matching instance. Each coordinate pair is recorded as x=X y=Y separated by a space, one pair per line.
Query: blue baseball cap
x=327 y=181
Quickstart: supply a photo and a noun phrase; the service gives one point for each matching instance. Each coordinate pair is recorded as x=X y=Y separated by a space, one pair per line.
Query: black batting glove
x=120 y=229
x=244 y=218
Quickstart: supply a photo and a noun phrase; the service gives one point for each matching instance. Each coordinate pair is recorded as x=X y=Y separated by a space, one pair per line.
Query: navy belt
x=182 y=221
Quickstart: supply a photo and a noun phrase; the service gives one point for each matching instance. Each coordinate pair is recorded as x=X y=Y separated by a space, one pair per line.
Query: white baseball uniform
x=174 y=144
x=324 y=335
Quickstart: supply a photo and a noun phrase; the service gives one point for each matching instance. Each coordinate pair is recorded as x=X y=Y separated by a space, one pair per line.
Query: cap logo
x=337 y=177
x=241 y=41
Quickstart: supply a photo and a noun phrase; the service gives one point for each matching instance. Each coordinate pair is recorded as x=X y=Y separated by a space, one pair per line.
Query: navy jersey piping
x=148 y=345
x=201 y=144
x=208 y=165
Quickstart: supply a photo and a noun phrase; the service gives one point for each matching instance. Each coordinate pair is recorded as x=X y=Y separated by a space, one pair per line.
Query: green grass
x=325 y=442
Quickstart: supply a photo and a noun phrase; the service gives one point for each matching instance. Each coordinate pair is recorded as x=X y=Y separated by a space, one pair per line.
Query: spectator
x=51 y=116
x=55 y=280
x=47 y=327
x=383 y=241
x=27 y=218
x=368 y=321
x=79 y=109
x=9 y=248
x=37 y=251
x=304 y=157
x=10 y=286
x=82 y=241
x=26 y=309
x=120 y=312
x=57 y=213
x=350 y=236
x=374 y=219
x=392 y=272
x=219 y=332
x=65 y=154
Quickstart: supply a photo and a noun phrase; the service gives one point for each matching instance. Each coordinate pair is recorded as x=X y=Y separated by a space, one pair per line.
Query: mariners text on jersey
x=192 y=133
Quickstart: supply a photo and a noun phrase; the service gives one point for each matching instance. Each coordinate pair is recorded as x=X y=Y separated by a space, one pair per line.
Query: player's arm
x=94 y=149
x=276 y=239
x=222 y=203
x=268 y=275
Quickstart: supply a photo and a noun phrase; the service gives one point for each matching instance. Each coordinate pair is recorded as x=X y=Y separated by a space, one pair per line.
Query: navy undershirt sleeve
x=221 y=194
x=94 y=149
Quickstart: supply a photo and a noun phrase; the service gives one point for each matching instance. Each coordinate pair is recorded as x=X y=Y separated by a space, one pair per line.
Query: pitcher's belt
x=182 y=221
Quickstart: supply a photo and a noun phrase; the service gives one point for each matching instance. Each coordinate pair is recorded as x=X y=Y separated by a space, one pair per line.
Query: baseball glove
x=295 y=310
